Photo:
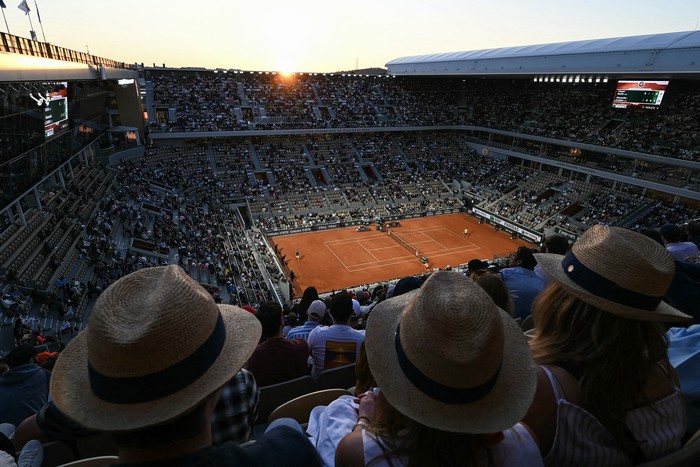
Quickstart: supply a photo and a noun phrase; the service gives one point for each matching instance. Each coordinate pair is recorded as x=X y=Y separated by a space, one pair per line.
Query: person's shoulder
x=282 y=445
x=350 y=451
x=297 y=343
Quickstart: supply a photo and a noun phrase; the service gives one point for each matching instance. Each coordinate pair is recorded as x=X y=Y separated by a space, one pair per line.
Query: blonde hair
x=614 y=354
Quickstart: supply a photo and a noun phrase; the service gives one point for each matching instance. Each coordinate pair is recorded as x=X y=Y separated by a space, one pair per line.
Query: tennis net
x=404 y=243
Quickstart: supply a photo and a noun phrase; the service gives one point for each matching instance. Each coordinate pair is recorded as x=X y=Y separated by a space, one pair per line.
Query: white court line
x=383 y=265
x=360 y=243
x=397 y=260
x=355 y=240
x=437 y=242
x=336 y=257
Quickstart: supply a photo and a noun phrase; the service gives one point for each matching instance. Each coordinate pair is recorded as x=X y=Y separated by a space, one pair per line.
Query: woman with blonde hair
x=606 y=393
x=455 y=377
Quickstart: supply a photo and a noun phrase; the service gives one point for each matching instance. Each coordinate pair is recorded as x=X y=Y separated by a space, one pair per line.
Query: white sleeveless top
x=517 y=449
x=581 y=439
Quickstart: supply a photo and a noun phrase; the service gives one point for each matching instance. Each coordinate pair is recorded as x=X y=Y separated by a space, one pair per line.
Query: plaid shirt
x=237 y=410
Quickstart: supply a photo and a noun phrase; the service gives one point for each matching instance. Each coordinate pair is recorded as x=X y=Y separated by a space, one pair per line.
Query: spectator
x=24 y=388
x=291 y=321
x=684 y=291
x=671 y=234
x=556 y=244
x=477 y=268
x=455 y=377
x=521 y=280
x=335 y=345
x=129 y=355
x=606 y=393
x=236 y=411
x=276 y=359
x=310 y=294
x=232 y=420
x=497 y=290
x=316 y=313
x=694 y=232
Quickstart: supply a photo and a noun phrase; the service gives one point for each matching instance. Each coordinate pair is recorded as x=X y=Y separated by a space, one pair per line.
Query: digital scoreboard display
x=56 y=110
x=642 y=94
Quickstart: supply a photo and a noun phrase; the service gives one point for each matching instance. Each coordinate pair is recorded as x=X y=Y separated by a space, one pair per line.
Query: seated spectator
x=477 y=268
x=336 y=345
x=606 y=392
x=521 y=280
x=556 y=244
x=694 y=232
x=110 y=376
x=497 y=290
x=684 y=291
x=291 y=322
x=310 y=294
x=24 y=388
x=671 y=234
x=455 y=376
x=233 y=418
x=237 y=410
x=276 y=359
x=684 y=355
x=316 y=313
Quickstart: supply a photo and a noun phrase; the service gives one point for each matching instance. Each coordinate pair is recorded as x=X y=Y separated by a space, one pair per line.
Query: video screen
x=56 y=110
x=641 y=94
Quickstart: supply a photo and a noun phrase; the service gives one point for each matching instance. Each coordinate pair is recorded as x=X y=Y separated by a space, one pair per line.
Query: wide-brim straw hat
x=156 y=346
x=447 y=357
x=618 y=271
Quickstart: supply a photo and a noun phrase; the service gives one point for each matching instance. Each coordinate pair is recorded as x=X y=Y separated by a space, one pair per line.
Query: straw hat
x=156 y=346
x=447 y=357
x=619 y=271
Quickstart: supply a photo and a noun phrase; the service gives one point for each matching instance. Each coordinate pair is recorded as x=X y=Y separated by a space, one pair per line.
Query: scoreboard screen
x=642 y=94
x=56 y=110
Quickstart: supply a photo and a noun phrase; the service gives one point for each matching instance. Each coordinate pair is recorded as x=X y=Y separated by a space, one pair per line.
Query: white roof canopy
x=672 y=54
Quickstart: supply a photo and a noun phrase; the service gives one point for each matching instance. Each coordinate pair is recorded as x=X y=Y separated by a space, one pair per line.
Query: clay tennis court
x=340 y=258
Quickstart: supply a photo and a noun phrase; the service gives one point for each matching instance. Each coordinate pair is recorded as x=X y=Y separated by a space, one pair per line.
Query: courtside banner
x=535 y=237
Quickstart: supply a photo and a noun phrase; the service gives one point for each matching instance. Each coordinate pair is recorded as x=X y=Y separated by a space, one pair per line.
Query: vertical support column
x=37 y=199
x=20 y=214
x=61 y=179
x=11 y=215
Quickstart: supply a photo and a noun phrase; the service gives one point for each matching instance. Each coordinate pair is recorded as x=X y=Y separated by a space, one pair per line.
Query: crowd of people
x=579 y=112
x=439 y=357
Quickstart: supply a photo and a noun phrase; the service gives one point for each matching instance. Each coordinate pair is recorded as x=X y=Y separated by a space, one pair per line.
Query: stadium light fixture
x=605 y=80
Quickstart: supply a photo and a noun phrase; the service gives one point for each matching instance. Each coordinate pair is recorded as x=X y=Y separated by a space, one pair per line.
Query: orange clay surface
x=341 y=258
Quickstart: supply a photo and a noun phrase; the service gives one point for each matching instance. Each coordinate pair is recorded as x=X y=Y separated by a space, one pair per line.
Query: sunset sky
x=324 y=36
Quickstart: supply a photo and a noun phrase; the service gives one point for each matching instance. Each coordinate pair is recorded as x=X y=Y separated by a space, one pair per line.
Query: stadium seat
x=93 y=462
x=57 y=453
x=274 y=395
x=300 y=408
x=343 y=377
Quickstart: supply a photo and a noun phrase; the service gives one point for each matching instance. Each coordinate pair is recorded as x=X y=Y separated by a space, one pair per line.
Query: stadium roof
x=671 y=54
